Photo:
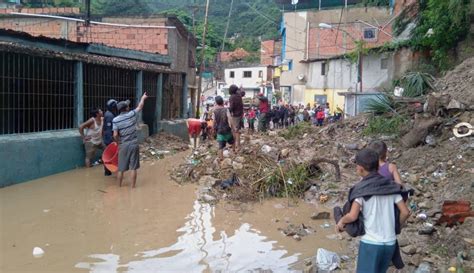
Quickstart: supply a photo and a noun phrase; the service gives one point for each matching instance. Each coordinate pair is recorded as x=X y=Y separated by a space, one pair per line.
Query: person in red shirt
x=320 y=116
x=251 y=115
x=264 y=107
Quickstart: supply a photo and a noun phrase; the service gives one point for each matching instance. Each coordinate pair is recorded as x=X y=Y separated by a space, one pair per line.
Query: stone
x=226 y=163
x=297 y=237
x=402 y=241
x=425 y=205
x=272 y=133
x=352 y=146
x=237 y=166
x=285 y=152
x=240 y=159
x=321 y=215
x=208 y=198
x=415 y=260
x=207 y=181
x=409 y=249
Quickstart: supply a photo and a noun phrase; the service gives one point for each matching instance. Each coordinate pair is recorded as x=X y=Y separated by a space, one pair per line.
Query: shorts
x=91 y=149
x=223 y=139
x=374 y=258
x=129 y=156
x=236 y=124
x=194 y=127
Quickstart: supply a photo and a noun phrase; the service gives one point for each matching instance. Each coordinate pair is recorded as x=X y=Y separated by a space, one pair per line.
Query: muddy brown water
x=85 y=223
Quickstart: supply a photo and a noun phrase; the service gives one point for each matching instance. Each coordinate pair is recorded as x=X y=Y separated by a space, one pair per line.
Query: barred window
x=36 y=94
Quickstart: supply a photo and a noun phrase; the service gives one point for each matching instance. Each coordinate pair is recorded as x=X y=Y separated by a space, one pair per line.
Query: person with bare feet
x=125 y=133
x=222 y=126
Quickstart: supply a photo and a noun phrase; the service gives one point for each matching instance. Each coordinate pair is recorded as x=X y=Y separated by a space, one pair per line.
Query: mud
x=85 y=223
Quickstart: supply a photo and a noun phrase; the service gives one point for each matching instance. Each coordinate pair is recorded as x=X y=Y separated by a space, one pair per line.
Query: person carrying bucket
x=108 y=133
x=125 y=133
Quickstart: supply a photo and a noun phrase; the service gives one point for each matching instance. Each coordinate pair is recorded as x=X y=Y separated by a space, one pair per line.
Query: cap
x=111 y=104
x=123 y=104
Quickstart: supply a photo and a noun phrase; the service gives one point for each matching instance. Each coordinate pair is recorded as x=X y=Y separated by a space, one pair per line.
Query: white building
x=253 y=79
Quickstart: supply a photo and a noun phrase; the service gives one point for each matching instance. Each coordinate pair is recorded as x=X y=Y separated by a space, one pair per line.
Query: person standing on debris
x=264 y=108
x=374 y=196
x=125 y=133
x=386 y=169
x=251 y=118
x=320 y=116
x=107 y=129
x=236 y=108
x=92 y=138
x=222 y=126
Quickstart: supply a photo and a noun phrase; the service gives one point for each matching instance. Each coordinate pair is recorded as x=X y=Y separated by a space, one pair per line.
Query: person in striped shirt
x=125 y=133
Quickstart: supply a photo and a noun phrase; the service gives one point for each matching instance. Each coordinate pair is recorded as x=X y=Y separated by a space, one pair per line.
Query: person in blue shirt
x=108 y=133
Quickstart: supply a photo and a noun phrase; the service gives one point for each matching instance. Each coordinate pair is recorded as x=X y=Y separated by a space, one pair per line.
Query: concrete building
x=253 y=79
x=48 y=87
x=157 y=34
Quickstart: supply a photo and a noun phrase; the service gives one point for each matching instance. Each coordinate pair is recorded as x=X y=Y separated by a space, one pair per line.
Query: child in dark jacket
x=374 y=196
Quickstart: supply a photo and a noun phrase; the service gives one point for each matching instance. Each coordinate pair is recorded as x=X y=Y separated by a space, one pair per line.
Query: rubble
x=159 y=145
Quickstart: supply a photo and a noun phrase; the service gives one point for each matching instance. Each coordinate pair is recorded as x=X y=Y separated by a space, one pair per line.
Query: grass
x=295 y=131
x=384 y=125
x=296 y=177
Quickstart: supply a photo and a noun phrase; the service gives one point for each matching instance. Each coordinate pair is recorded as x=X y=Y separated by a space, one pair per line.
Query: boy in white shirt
x=378 y=245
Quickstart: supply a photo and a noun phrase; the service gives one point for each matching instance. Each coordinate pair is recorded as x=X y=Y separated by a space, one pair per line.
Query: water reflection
x=196 y=251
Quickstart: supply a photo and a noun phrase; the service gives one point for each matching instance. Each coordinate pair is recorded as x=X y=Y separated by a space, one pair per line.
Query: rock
x=297 y=237
x=208 y=198
x=352 y=146
x=207 y=181
x=237 y=166
x=402 y=241
x=240 y=159
x=425 y=205
x=409 y=249
x=285 y=152
x=266 y=149
x=423 y=268
x=38 y=252
x=226 y=153
x=321 y=215
x=226 y=163
x=415 y=260
x=272 y=133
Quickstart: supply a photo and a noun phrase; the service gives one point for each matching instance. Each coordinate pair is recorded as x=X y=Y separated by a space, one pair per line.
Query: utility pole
x=201 y=67
x=227 y=26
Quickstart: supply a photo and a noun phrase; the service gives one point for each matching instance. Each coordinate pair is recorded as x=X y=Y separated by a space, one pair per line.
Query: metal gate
x=172 y=96
x=150 y=85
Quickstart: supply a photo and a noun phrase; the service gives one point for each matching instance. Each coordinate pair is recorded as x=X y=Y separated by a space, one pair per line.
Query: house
x=316 y=63
x=253 y=79
x=50 y=85
x=156 y=34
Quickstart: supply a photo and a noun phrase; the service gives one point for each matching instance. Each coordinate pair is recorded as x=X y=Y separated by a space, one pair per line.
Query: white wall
x=254 y=81
x=341 y=74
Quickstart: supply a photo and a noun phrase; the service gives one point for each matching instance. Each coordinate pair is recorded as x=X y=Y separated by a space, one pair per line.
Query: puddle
x=197 y=251
x=85 y=223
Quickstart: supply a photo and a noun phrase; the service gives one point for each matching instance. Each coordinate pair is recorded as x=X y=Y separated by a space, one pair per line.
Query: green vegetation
x=416 y=84
x=296 y=131
x=441 y=25
x=384 y=125
x=250 y=21
x=380 y=105
x=296 y=178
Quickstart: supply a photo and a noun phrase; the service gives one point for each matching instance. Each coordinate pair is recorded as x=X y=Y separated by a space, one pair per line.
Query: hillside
x=251 y=20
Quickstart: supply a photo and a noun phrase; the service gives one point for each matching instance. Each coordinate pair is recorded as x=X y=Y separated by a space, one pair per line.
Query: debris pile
x=159 y=145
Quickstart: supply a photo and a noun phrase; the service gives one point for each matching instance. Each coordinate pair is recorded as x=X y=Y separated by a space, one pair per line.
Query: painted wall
x=342 y=74
x=332 y=97
x=254 y=81
x=29 y=156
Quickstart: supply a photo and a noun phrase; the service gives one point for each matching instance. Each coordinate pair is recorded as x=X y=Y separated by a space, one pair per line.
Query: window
x=260 y=74
x=231 y=74
x=290 y=65
x=247 y=74
x=323 y=69
x=384 y=63
x=370 y=33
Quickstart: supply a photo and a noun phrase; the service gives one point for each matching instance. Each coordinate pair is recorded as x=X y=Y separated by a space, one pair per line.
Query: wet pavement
x=85 y=223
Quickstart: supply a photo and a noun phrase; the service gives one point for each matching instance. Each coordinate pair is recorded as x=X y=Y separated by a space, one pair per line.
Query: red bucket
x=110 y=157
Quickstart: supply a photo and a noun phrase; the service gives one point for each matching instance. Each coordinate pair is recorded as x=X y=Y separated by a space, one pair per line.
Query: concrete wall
x=342 y=74
x=30 y=156
x=175 y=127
x=254 y=81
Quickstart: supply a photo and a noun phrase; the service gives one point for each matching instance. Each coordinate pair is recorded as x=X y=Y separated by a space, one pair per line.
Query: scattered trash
x=423 y=268
x=38 y=252
x=430 y=140
x=46 y=210
x=422 y=216
x=327 y=260
x=325 y=225
x=234 y=180
x=226 y=153
x=266 y=149
x=323 y=198
x=452 y=269
x=466 y=132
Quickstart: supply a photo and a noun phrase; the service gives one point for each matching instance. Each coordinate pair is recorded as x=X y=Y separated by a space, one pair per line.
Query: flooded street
x=85 y=223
